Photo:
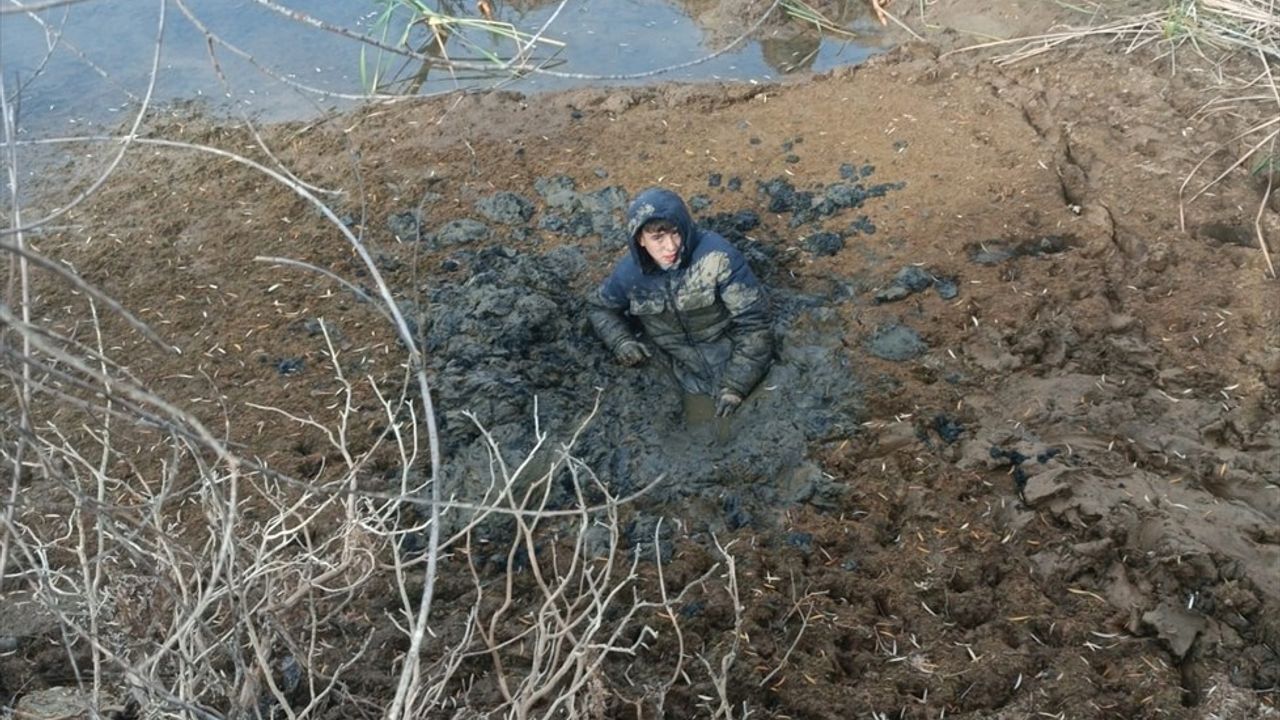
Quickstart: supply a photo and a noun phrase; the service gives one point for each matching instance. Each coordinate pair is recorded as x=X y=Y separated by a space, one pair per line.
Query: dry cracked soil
x=1019 y=456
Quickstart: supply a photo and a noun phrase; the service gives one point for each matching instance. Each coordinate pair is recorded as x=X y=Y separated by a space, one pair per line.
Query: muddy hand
x=728 y=402
x=632 y=352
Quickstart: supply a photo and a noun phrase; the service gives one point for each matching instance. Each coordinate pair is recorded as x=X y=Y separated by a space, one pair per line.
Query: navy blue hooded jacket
x=707 y=313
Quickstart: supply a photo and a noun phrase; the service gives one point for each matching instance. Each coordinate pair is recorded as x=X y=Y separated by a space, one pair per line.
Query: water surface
x=88 y=64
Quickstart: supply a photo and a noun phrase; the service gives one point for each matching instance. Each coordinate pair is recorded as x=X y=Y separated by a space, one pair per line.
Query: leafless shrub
x=193 y=579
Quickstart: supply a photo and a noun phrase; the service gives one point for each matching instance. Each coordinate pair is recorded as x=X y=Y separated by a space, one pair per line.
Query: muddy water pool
x=88 y=63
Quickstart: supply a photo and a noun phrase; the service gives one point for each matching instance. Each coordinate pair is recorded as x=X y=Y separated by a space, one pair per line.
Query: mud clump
x=994 y=252
x=405 y=226
x=734 y=226
x=896 y=342
x=505 y=207
x=579 y=214
x=811 y=206
x=464 y=231
x=823 y=244
x=911 y=280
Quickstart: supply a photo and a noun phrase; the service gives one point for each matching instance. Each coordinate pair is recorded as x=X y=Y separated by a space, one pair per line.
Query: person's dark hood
x=660 y=204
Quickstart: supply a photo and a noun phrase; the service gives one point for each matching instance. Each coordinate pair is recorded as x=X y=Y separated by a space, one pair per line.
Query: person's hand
x=728 y=403
x=632 y=352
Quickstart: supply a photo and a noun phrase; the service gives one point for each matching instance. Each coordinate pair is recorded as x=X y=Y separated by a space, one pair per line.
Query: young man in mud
x=693 y=298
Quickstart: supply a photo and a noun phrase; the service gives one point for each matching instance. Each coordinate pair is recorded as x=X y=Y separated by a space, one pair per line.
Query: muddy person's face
x=662 y=245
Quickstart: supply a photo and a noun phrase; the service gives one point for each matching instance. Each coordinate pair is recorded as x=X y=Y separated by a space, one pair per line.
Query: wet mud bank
x=1019 y=454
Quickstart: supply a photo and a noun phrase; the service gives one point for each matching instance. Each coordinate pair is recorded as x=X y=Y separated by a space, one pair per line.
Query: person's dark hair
x=659 y=225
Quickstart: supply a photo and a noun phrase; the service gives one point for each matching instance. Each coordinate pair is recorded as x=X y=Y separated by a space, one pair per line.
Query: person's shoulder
x=712 y=241
x=626 y=270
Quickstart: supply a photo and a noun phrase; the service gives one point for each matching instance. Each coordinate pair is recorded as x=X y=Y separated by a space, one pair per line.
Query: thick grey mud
x=512 y=354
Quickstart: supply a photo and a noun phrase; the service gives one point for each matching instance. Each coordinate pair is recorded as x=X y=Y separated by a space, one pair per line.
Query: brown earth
x=1066 y=506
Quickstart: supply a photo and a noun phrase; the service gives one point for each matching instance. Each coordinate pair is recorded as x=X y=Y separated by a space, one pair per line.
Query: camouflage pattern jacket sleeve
x=606 y=306
x=750 y=325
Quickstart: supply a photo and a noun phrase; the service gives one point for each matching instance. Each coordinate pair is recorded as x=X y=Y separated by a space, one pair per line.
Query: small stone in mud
x=462 y=232
x=505 y=207
x=792 y=159
x=735 y=184
x=450 y=265
x=909 y=280
x=713 y=180
x=787 y=145
x=289 y=366
x=823 y=243
x=896 y=342
x=900 y=145
x=601 y=173
x=754 y=141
